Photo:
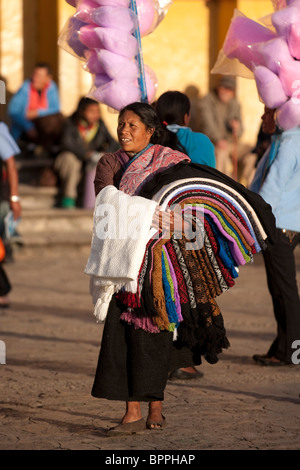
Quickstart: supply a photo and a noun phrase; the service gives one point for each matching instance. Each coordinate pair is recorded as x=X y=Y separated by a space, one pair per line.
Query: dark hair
x=44 y=65
x=171 y=107
x=147 y=115
x=83 y=104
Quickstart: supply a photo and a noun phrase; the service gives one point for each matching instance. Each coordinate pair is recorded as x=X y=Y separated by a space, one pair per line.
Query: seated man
x=84 y=139
x=35 y=110
x=221 y=120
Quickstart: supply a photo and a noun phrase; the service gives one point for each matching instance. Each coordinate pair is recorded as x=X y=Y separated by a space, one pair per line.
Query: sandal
x=179 y=374
x=156 y=425
x=271 y=361
x=127 y=429
x=4 y=301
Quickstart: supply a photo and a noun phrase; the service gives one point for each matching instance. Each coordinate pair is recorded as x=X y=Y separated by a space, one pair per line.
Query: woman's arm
x=13 y=180
x=108 y=172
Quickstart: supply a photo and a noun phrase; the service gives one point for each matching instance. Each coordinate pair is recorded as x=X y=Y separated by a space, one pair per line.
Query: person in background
x=277 y=180
x=251 y=160
x=8 y=150
x=84 y=139
x=173 y=109
x=194 y=95
x=220 y=119
x=34 y=111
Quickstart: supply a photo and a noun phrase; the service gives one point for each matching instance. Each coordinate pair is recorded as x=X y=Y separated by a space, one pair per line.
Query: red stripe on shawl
x=206 y=192
x=182 y=290
x=154 y=160
x=224 y=200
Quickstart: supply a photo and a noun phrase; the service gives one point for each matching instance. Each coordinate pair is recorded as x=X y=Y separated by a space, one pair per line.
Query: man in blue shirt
x=277 y=180
x=35 y=109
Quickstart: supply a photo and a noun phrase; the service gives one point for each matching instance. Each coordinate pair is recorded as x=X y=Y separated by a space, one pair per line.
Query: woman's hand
x=16 y=209
x=169 y=222
x=175 y=224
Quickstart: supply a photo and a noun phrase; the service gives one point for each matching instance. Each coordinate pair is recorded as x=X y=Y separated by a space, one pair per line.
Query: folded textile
x=121 y=231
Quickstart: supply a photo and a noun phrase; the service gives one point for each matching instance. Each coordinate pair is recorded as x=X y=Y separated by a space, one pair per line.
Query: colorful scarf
x=38 y=99
x=150 y=161
x=87 y=131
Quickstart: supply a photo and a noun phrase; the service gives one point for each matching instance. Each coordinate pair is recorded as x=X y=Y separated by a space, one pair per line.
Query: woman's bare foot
x=189 y=370
x=133 y=412
x=155 y=418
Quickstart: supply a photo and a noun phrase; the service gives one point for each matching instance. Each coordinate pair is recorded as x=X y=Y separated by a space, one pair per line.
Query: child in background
x=173 y=109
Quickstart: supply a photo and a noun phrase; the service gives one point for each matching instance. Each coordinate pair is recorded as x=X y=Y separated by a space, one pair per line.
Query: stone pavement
x=52 y=343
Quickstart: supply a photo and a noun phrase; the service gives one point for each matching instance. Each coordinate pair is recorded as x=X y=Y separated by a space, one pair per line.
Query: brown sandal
x=127 y=429
x=156 y=425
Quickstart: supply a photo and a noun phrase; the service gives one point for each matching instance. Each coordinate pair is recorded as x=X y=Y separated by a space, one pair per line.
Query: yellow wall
x=11 y=43
x=180 y=51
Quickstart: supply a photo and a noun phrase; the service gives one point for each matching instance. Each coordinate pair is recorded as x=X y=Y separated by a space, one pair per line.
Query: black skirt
x=133 y=365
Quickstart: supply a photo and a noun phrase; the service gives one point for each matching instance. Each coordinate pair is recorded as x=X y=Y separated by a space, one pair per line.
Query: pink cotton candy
x=104 y=86
x=114 y=65
x=117 y=66
x=92 y=65
x=89 y=37
x=102 y=32
x=294 y=40
x=84 y=10
x=118 y=3
x=288 y=115
x=111 y=39
x=242 y=35
x=101 y=79
x=277 y=58
x=284 y=18
x=117 y=94
x=147 y=15
x=273 y=53
x=114 y=17
x=274 y=58
x=70 y=38
x=289 y=72
x=269 y=87
x=151 y=83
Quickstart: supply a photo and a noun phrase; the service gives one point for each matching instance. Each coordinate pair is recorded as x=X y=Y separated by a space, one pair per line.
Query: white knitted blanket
x=121 y=230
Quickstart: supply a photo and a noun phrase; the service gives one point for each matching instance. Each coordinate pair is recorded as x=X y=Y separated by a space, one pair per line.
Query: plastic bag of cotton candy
x=102 y=34
x=272 y=55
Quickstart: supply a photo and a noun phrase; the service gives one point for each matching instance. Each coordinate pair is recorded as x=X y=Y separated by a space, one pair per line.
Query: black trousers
x=5 y=286
x=282 y=282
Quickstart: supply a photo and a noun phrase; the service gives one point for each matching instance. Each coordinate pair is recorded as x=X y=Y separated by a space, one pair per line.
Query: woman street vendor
x=159 y=291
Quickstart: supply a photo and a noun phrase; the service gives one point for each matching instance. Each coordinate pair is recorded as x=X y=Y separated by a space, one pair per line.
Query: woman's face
x=133 y=135
x=92 y=113
x=268 y=121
